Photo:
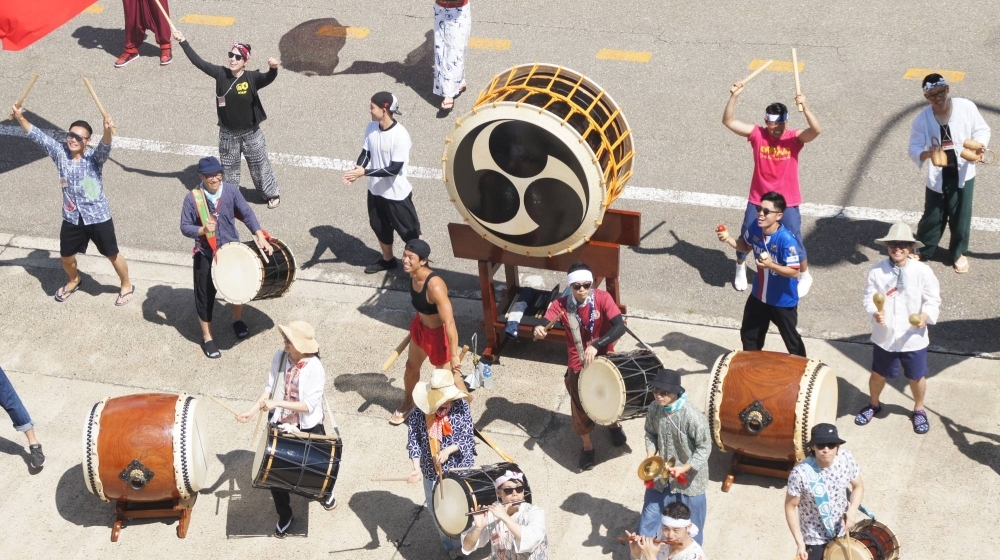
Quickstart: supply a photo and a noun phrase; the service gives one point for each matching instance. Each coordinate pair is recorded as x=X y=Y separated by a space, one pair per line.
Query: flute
x=484 y=509
x=657 y=541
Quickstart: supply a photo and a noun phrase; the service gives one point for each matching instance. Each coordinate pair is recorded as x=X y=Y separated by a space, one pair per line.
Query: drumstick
x=795 y=68
x=166 y=15
x=395 y=354
x=551 y=323
x=223 y=405
x=24 y=94
x=847 y=534
x=499 y=451
x=96 y=100
x=752 y=75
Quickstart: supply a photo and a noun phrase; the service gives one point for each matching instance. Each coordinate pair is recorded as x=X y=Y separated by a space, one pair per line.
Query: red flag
x=22 y=22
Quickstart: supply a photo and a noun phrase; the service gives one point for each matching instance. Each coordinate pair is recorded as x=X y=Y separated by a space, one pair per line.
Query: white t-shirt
x=384 y=147
x=312 y=380
x=837 y=478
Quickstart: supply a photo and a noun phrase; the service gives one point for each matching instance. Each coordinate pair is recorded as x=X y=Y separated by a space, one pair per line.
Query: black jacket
x=224 y=77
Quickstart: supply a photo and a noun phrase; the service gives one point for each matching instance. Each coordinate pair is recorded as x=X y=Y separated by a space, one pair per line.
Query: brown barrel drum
x=764 y=404
x=145 y=448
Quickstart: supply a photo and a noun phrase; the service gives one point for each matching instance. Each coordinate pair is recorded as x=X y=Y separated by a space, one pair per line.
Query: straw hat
x=301 y=335
x=430 y=396
x=900 y=232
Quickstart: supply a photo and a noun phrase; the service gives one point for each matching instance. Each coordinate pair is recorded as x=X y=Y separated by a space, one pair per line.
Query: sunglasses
x=898 y=244
x=765 y=211
x=236 y=56
x=77 y=137
x=509 y=491
x=584 y=286
x=826 y=445
x=660 y=392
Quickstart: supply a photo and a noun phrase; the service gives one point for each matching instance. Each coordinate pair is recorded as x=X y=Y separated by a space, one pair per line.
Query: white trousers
x=452 y=27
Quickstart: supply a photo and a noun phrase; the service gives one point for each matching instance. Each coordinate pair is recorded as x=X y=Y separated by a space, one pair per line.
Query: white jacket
x=965 y=123
x=312 y=380
x=921 y=294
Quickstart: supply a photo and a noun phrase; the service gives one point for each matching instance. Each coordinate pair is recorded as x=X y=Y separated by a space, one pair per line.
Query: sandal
x=120 y=301
x=399 y=417
x=448 y=104
x=278 y=533
x=866 y=414
x=210 y=349
x=273 y=203
x=920 y=423
x=961 y=268
x=241 y=330
x=62 y=294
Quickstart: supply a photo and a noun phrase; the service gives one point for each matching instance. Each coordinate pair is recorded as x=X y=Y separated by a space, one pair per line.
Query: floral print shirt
x=837 y=479
x=80 y=180
x=418 y=444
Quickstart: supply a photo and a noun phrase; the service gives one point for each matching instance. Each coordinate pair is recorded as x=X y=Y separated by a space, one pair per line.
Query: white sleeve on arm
x=311 y=390
x=918 y=139
x=401 y=148
x=533 y=533
x=931 y=304
x=484 y=538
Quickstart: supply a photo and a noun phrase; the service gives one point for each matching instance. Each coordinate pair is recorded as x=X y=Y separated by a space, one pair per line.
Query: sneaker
x=740 y=282
x=125 y=58
x=618 y=437
x=586 y=459
x=37 y=457
x=166 y=55
x=805 y=282
x=381 y=265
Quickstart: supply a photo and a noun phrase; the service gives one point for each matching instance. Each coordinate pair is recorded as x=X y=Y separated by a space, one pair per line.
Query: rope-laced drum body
x=542 y=154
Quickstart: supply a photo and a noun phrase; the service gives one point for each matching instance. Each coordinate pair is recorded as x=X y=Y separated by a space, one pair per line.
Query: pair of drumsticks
x=795 y=69
x=34 y=78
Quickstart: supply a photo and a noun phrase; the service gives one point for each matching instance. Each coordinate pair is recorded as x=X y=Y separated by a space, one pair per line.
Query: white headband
x=680 y=524
x=508 y=476
x=775 y=118
x=579 y=276
x=931 y=85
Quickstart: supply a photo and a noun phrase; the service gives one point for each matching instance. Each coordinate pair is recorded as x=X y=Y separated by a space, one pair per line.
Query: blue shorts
x=887 y=363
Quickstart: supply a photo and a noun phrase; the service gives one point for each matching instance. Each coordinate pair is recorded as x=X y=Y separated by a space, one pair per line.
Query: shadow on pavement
x=174 y=307
x=835 y=240
x=8 y=447
x=983 y=452
x=312 y=48
x=416 y=71
x=701 y=351
x=18 y=151
x=395 y=515
x=51 y=277
x=111 y=41
x=374 y=388
x=188 y=177
x=250 y=511
x=603 y=513
x=78 y=506
x=714 y=265
x=345 y=248
x=550 y=431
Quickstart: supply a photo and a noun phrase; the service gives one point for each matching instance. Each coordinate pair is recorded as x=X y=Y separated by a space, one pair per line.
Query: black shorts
x=73 y=239
x=386 y=216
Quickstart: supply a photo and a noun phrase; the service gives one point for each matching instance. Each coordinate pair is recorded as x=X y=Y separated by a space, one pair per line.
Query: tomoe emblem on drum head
x=521 y=182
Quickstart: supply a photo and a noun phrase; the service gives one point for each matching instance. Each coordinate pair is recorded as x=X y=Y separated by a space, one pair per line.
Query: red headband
x=243 y=50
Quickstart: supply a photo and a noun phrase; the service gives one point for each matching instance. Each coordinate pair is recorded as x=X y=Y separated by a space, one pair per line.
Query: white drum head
x=602 y=391
x=198 y=443
x=825 y=400
x=450 y=506
x=258 y=457
x=237 y=273
x=846 y=549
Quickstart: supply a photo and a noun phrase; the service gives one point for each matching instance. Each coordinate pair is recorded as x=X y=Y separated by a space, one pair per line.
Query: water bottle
x=487 y=376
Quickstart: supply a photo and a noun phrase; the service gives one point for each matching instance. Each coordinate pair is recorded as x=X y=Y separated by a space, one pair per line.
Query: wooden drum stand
x=602 y=253
x=177 y=507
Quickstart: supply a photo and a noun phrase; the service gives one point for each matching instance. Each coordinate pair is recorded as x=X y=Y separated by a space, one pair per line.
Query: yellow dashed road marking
x=489 y=44
x=919 y=73
x=94 y=9
x=776 y=66
x=217 y=21
x=628 y=56
x=341 y=31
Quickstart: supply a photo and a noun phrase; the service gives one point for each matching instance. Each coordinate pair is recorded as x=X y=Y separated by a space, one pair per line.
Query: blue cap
x=209 y=165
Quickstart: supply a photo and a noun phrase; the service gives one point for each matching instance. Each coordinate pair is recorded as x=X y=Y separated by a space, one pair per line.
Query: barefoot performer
x=433 y=334
x=86 y=213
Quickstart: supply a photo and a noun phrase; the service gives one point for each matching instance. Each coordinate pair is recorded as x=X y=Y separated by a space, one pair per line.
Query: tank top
x=419 y=299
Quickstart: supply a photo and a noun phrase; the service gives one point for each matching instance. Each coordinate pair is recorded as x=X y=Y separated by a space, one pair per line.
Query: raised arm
x=210 y=69
x=264 y=79
x=809 y=134
x=729 y=115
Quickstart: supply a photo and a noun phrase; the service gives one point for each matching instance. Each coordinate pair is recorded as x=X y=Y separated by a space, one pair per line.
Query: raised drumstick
x=24 y=94
x=96 y=100
x=798 y=86
x=166 y=15
x=752 y=75
x=224 y=405
x=395 y=354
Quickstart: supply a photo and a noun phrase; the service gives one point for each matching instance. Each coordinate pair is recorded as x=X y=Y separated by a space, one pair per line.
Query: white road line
x=631 y=193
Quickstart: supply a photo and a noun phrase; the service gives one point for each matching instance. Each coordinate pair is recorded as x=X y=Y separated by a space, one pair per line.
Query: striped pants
x=250 y=144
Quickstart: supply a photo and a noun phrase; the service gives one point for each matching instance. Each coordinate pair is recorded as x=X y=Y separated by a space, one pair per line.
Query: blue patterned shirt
x=81 y=180
x=418 y=444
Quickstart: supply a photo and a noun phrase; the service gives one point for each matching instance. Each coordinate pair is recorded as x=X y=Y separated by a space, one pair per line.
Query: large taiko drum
x=461 y=491
x=542 y=154
x=145 y=448
x=868 y=540
x=242 y=275
x=764 y=404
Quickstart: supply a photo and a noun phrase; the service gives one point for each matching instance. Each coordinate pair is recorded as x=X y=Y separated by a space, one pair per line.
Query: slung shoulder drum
x=764 y=404
x=616 y=387
x=145 y=448
x=241 y=274
x=542 y=154
x=301 y=463
x=465 y=490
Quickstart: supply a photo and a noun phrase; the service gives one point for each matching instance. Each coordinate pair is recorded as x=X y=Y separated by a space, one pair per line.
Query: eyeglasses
x=236 y=56
x=77 y=137
x=898 y=244
x=509 y=491
x=583 y=286
x=765 y=211
x=938 y=95
x=827 y=445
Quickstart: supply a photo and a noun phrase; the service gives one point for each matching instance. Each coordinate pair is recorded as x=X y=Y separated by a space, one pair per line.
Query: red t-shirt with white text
x=606 y=309
x=775 y=165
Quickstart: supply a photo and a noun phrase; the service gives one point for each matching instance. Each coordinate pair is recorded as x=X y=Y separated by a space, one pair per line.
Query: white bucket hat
x=899 y=232
x=441 y=389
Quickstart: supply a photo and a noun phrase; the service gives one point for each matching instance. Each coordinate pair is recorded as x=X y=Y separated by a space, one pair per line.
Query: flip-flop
x=447 y=105
x=210 y=349
x=119 y=302
x=62 y=295
x=399 y=417
x=961 y=269
x=920 y=423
